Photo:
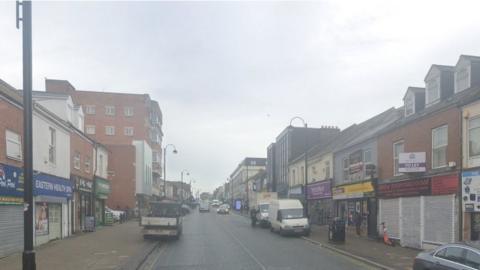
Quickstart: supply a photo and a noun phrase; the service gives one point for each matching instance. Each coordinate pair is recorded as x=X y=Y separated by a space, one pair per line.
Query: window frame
x=112 y=128
x=128 y=134
x=52 y=147
x=477 y=117
x=110 y=110
x=77 y=159
x=87 y=127
x=428 y=100
x=346 y=169
x=87 y=164
x=438 y=147
x=128 y=111
x=90 y=109
x=396 y=159
x=18 y=143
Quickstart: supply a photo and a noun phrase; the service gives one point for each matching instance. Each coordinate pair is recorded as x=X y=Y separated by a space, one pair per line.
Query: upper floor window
x=100 y=163
x=76 y=160
x=367 y=156
x=432 y=91
x=293 y=176
x=110 y=130
x=128 y=111
x=327 y=169
x=398 y=148
x=346 y=171
x=90 y=109
x=439 y=146
x=474 y=137
x=13 y=145
x=462 y=80
x=88 y=163
x=110 y=110
x=409 y=105
x=90 y=129
x=155 y=157
x=52 y=148
x=128 y=131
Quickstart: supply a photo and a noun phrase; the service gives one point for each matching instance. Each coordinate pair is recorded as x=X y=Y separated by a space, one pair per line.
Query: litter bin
x=336 y=230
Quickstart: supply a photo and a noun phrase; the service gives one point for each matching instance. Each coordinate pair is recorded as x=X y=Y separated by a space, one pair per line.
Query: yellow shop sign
x=358 y=190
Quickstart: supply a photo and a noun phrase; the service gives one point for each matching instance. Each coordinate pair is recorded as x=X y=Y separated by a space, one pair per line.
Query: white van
x=286 y=216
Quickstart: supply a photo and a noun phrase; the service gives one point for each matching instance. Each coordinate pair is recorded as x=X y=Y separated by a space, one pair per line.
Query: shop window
x=439 y=147
x=13 y=145
x=474 y=137
x=398 y=148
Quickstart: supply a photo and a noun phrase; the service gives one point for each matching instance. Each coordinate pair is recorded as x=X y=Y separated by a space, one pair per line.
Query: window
x=327 y=169
x=52 y=149
x=472 y=259
x=293 y=176
x=128 y=111
x=409 y=105
x=76 y=160
x=346 y=164
x=462 y=81
x=110 y=130
x=100 y=163
x=367 y=156
x=433 y=91
x=110 y=110
x=87 y=164
x=398 y=148
x=302 y=175
x=90 y=129
x=439 y=147
x=155 y=156
x=128 y=131
x=454 y=254
x=474 y=137
x=90 y=109
x=14 y=145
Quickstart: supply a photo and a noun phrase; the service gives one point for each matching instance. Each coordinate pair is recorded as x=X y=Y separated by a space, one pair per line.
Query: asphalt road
x=218 y=242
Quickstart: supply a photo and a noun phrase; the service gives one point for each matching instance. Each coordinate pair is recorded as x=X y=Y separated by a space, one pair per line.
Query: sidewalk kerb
x=348 y=254
x=143 y=257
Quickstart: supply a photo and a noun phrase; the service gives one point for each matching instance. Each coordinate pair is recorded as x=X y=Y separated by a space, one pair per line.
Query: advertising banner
x=360 y=190
x=11 y=184
x=50 y=185
x=319 y=190
x=41 y=218
x=471 y=191
x=409 y=188
x=411 y=162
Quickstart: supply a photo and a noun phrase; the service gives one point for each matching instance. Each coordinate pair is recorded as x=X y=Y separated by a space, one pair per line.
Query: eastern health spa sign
x=471 y=191
x=49 y=185
x=412 y=162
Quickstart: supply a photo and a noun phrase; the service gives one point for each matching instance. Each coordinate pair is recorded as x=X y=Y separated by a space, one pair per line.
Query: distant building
x=239 y=185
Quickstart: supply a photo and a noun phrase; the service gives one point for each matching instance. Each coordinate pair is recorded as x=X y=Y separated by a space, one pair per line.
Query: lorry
x=204 y=206
x=287 y=216
x=259 y=204
x=164 y=218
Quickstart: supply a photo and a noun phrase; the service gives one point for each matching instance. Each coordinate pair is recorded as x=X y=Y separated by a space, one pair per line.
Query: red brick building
x=119 y=119
x=124 y=188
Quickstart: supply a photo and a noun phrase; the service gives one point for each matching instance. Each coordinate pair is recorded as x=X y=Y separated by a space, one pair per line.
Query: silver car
x=464 y=256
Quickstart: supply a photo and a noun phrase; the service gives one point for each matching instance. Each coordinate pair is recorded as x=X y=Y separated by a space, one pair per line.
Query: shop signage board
x=102 y=188
x=445 y=184
x=82 y=183
x=11 y=184
x=359 y=190
x=319 y=190
x=407 y=188
x=412 y=162
x=471 y=191
x=295 y=190
x=50 y=185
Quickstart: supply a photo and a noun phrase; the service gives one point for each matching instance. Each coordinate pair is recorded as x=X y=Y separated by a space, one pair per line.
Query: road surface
x=228 y=242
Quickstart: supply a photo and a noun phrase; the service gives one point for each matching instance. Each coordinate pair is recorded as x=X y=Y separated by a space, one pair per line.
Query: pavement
x=117 y=247
x=228 y=242
x=366 y=249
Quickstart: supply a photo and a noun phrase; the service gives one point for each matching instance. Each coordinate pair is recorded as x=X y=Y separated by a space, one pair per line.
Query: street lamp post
x=306 y=161
x=181 y=184
x=165 y=167
x=28 y=256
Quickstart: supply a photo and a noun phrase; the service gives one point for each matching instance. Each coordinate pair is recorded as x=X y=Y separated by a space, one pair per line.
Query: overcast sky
x=229 y=76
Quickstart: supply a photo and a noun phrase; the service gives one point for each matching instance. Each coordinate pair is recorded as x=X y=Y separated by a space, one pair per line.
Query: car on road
x=115 y=213
x=216 y=203
x=223 y=209
x=287 y=216
x=464 y=256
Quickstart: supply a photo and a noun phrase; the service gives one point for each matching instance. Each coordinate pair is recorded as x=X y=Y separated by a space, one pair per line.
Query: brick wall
x=418 y=138
x=121 y=161
x=85 y=148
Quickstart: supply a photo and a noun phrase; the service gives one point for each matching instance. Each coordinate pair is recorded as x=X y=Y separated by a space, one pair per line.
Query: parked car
x=116 y=213
x=223 y=209
x=465 y=256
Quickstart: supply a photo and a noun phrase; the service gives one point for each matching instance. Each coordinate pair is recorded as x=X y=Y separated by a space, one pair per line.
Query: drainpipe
x=459 y=195
x=92 y=204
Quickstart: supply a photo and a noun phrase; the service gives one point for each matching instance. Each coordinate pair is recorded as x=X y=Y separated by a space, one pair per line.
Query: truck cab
x=164 y=218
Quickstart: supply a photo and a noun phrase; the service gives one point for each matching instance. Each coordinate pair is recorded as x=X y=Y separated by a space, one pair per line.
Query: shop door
x=372 y=217
x=410 y=222
x=475 y=226
x=55 y=219
x=11 y=229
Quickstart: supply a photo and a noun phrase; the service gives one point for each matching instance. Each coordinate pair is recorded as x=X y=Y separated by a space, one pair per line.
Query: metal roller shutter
x=389 y=213
x=11 y=229
x=410 y=221
x=440 y=219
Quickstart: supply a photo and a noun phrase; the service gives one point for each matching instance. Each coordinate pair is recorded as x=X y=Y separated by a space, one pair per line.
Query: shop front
x=320 y=203
x=83 y=201
x=11 y=209
x=357 y=203
x=422 y=212
x=52 y=208
x=471 y=204
x=102 y=190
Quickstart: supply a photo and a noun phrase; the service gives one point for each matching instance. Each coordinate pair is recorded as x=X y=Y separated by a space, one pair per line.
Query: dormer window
x=409 y=104
x=433 y=91
x=462 y=79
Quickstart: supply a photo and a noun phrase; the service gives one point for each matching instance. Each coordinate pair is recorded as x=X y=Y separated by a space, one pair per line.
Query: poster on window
x=471 y=191
x=41 y=219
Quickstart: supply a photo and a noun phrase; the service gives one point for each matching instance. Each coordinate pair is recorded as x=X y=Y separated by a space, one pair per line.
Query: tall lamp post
x=165 y=167
x=306 y=161
x=181 y=184
x=28 y=256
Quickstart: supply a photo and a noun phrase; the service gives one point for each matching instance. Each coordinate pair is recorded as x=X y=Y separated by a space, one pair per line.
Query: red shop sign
x=407 y=188
x=445 y=184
